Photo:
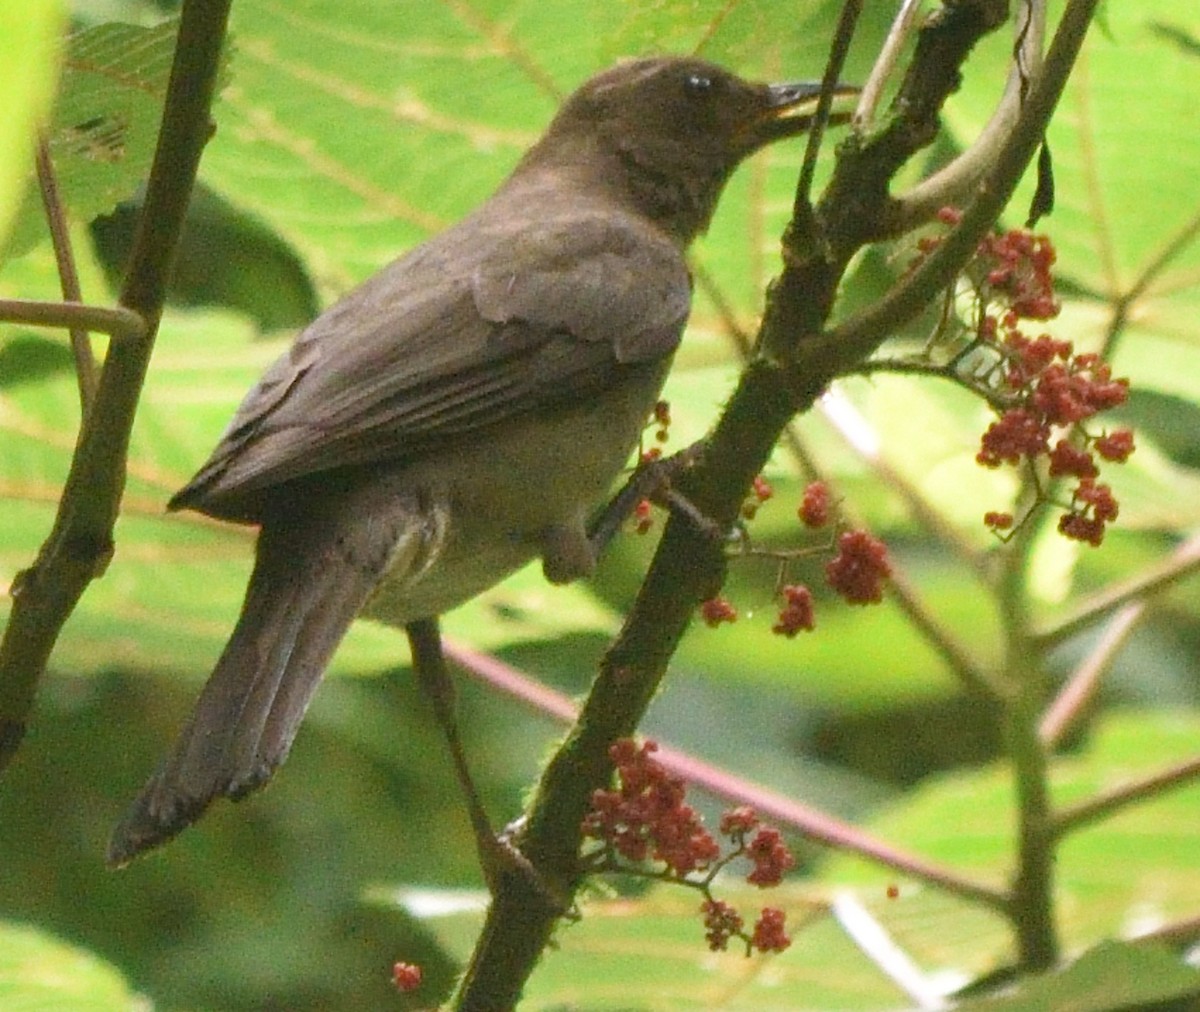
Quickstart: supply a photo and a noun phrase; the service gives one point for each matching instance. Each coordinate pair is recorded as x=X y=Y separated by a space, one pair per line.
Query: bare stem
x=1032 y=910
x=118 y=322
x=838 y=50
x=885 y=63
x=1108 y=802
x=1181 y=563
x=1076 y=696
x=60 y=237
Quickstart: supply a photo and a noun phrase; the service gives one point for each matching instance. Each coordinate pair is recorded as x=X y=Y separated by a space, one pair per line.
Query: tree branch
x=81 y=541
x=118 y=322
x=1107 y=802
x=1180 y=564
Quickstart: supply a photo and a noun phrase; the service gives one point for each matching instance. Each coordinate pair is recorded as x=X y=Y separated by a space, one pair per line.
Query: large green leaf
x=39 y=973
x=1110 y=978
x=105 y=122
x=1129 y=871
x=27 y=75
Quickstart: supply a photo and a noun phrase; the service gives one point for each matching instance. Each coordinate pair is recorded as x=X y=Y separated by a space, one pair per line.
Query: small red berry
x=797 y=613
x=858 y=570
x=406 y=976
x=815 y=507
x=1115 y=446
x=998 y=521
x=769 y=934
x=721 y=922
x=716 y=610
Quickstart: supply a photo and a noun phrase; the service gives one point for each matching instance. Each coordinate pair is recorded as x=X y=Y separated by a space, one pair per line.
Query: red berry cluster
x=858 y=570
x=1016 y=267
x=1055 y=392
x=660 y=422
x=1050 y=390
x=797 y=614
x=662 y=419
x=769 y=934
x=722 y=922
x=717 y=610
x=645 y=818
x=1012 y=268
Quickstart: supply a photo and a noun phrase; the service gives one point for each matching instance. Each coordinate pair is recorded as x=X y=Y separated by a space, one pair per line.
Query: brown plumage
x=463 y=411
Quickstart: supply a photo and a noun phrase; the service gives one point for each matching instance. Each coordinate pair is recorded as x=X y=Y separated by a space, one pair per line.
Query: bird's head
x=673 y=129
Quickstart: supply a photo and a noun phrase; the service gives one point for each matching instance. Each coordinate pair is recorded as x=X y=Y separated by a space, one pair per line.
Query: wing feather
x=472 y=328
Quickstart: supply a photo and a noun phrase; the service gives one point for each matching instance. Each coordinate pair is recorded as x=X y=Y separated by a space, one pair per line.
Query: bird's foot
x=653 y=480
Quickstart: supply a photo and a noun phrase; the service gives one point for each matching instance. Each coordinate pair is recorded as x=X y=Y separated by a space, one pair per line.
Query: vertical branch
x=1031 y=908
x=80 y=544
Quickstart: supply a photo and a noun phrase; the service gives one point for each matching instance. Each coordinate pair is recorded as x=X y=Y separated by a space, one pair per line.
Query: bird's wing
x=449 y=340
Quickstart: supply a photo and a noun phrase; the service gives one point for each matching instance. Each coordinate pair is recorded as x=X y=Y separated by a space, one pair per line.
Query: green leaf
x=105 y=123
x=650 y=953
x=1133 y=869
x=1112 y=977
x=38 y=973
x=27 y=74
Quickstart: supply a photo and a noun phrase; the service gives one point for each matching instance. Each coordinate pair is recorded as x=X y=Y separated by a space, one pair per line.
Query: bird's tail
x=308 y=584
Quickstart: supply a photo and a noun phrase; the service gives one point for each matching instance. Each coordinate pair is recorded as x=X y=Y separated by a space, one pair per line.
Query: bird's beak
x=791 y=108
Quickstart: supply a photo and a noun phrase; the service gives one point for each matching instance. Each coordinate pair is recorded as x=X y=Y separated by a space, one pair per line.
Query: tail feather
x=306 y=588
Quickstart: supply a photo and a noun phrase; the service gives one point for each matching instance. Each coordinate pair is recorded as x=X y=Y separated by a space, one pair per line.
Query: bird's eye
x=698 y=85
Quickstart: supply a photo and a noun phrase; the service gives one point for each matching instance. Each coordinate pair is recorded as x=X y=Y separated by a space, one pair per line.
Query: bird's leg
x=497 y=854
x=651 y=480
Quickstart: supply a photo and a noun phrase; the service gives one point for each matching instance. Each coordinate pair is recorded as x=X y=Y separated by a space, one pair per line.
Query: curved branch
x=885 y=64
x=118 y=322
x=954 y=182
x=863 y=332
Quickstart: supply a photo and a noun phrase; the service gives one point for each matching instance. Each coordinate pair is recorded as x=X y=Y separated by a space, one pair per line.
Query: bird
x=463 y=411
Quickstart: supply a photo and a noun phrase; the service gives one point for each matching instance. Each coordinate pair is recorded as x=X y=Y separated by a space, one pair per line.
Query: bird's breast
x=520 y=490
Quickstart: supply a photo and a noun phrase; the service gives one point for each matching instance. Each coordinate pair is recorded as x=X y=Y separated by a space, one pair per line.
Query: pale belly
x=497 y=504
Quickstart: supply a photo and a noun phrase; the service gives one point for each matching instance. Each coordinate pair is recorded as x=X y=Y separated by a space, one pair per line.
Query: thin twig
x=1076 y=696
x=1183 y=932
x=64 y=256
x=885 y=63
x=1180 y=564
x=838 y=50
x=81 y=541
x=1107 y=802
x=1174 y=246
x=119 y=323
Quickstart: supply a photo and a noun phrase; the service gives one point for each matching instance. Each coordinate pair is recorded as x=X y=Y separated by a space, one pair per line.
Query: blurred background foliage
x=348 y=131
